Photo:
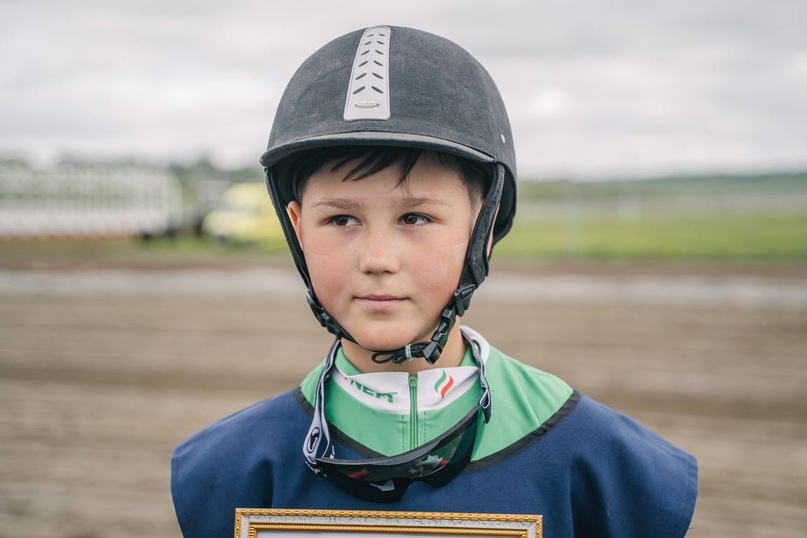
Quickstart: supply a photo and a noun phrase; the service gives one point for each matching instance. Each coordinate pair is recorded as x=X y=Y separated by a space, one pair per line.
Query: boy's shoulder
x=246 y=435
x=226 y=464
x=619 y=466
x=542 y=402
x=246 y=430
x=608 y=465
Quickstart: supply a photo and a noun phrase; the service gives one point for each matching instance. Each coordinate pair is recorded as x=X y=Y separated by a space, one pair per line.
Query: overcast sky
x=592 y=87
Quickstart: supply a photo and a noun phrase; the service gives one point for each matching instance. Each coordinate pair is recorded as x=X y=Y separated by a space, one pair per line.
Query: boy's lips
x=379 y=303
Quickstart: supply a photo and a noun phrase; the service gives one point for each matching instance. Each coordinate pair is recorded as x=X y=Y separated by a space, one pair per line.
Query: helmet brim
x=371 y=138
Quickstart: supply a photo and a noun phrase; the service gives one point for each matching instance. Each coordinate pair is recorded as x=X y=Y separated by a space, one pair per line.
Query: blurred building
x=87 y=200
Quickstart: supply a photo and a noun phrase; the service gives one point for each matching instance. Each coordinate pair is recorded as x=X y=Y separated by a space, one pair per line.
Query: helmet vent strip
x=363 y=101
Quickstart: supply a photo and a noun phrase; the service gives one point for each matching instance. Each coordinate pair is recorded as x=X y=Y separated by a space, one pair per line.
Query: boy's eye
x=341 y=220
x=413 y=219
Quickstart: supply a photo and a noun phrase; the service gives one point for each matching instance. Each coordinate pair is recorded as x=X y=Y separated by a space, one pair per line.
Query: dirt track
x=96 y=389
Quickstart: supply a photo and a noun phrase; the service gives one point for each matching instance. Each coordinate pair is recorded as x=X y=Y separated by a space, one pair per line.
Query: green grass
x=157 y=252
x=728 y=238
x=746 y=237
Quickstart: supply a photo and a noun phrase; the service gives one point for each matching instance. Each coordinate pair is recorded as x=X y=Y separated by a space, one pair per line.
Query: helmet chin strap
x=432 y=349
x=429 y=350
x=474 y=273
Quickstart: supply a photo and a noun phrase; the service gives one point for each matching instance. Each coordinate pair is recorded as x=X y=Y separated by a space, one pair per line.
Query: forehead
x=428 y=177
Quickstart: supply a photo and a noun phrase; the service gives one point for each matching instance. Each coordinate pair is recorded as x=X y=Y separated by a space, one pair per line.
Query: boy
x=392 y=169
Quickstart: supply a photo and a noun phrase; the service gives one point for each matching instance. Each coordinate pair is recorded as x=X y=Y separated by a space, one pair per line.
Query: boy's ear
x=295 y=210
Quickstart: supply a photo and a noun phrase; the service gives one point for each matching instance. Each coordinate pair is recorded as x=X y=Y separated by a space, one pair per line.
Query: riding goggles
x=386 y=479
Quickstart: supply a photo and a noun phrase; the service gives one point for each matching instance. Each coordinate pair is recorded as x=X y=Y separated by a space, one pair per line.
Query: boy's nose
x=379 y=254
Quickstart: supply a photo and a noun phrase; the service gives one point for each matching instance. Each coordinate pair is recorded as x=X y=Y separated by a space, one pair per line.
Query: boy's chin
x=373 y=342
x=389 y=335
x=374 y=345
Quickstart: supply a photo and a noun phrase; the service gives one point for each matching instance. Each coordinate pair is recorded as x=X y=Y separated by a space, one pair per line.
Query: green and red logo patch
x=443 y=384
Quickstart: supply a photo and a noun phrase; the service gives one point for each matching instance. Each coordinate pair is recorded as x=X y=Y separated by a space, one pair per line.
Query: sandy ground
x=99 y=381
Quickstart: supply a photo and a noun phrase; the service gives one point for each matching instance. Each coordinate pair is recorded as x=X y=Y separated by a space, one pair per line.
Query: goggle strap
x=318 y=432
x=484 y=400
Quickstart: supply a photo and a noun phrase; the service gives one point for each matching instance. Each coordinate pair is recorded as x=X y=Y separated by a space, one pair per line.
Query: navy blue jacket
x=589 y=471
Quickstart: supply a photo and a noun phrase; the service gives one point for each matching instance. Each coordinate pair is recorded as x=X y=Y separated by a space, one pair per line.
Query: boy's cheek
x=317 y=245
x=460 y=244
x=322 y=251
x=327 y=280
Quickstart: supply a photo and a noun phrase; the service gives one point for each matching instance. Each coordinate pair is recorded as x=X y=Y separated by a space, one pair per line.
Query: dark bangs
x=373 y=159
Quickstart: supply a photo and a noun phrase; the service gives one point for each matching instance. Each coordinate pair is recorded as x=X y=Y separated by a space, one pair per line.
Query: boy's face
x=385 y=258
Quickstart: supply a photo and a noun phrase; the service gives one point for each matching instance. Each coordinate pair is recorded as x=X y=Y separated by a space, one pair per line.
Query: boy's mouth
x=379 y=303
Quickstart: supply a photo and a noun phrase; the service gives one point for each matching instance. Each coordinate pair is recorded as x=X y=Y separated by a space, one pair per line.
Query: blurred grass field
x=714 y=218
x=663 y=238
x=764 y=238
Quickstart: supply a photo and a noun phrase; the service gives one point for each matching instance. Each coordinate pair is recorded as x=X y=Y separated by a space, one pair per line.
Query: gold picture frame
x=288 y=523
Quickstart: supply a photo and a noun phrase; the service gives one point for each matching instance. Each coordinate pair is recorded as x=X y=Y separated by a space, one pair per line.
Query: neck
x=452 y=355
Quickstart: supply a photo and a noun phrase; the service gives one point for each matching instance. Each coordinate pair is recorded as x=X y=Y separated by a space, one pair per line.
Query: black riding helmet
x=396 y=86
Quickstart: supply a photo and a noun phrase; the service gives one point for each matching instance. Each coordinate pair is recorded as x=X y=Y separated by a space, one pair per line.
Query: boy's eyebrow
x=347 y=204
x=344 y=204
x=414 y=201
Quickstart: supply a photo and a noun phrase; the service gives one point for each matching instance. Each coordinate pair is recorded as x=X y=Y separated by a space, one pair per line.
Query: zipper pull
x=413 y=411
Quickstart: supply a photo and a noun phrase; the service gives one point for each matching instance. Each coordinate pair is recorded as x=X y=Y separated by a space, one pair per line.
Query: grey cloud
x=589 y=85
